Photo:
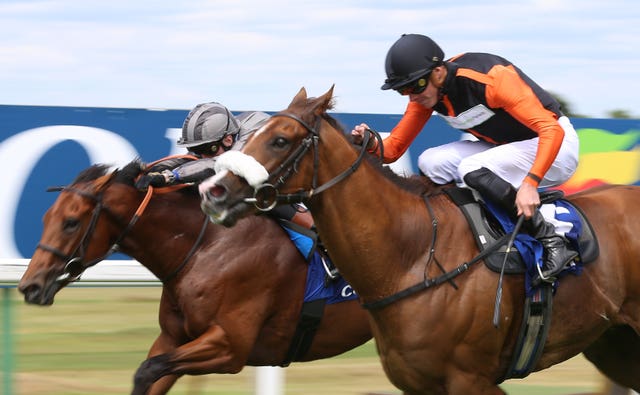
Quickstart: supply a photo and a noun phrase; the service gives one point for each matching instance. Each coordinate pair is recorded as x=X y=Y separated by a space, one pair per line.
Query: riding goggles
x=416 y=87
x=208 y=149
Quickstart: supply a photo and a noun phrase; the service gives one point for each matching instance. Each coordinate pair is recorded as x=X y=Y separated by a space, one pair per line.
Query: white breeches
x=511 y=162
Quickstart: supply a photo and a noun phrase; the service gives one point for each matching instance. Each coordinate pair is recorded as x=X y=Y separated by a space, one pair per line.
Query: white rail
x=107 y=273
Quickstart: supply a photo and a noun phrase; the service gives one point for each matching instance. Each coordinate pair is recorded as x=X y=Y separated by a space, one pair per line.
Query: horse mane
x=91 y=173
x=126 y=175
x=312 y=108
x=416 y=184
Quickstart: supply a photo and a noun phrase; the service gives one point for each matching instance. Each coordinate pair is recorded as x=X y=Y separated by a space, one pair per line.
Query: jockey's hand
x=358 y=135
x=527 y=200
x=153 y=179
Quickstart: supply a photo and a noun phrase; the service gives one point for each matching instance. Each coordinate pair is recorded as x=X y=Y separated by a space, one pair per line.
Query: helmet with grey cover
x=206 y=123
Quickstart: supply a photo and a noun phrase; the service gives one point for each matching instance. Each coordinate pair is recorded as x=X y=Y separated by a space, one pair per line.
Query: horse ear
x=324 y=102
x=329 y=93
x=300 y=98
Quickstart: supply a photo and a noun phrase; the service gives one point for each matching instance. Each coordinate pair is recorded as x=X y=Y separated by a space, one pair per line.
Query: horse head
x=79 y=230
x=279 y=163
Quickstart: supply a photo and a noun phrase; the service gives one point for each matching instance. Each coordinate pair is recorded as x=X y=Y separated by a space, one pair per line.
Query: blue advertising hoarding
x=44 y=146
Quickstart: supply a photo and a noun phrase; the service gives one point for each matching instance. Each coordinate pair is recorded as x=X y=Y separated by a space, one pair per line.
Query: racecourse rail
x=110 y=273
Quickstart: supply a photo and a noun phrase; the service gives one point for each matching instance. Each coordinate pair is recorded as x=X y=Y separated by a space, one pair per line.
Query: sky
x=257 y=54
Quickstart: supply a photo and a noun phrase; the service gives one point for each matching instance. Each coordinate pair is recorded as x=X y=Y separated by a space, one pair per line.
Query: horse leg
x=149 y=372
x=473 y=384
x=460 y=383
x=466 y=386
x=143 y=383
x=210 y=353
x=163 y=344
x=163 y=385
x=617 y=355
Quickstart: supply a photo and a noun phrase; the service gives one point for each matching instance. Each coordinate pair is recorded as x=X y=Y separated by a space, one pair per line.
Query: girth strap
x=310 y=319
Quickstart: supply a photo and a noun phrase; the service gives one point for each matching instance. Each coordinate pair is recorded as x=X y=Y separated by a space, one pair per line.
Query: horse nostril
x=24 y=288
x=217 y=191
x=31 y=292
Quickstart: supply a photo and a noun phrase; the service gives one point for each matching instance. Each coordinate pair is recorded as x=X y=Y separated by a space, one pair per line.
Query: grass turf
x=92 y=340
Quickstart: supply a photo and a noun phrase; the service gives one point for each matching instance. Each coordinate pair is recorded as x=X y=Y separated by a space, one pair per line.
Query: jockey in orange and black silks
x=521 y=140
x=490 y=98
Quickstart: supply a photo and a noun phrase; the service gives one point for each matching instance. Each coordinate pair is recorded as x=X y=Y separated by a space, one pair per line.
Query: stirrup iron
x=332 y=272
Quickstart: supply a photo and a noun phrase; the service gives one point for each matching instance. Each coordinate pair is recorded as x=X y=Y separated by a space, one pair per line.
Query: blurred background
x=104 y=82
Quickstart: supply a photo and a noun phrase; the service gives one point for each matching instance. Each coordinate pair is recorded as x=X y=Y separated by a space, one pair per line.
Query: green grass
x=92 y=340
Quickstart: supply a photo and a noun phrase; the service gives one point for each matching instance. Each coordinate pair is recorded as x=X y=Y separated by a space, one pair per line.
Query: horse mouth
x=226 y=215
x=222 y=207
x=42 y=295
x=224 y=200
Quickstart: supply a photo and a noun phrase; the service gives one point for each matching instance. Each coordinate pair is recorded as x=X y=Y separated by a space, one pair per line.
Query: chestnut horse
x=230 y=297
x=387 y=239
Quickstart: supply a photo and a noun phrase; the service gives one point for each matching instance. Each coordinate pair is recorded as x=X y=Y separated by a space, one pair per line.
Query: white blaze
x=242 y=165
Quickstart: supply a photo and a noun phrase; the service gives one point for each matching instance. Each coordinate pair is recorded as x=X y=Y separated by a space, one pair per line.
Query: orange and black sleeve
x=403 y=134
x=511 y=93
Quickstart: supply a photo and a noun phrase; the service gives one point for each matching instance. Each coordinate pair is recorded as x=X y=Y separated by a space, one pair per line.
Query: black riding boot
x=556 y=253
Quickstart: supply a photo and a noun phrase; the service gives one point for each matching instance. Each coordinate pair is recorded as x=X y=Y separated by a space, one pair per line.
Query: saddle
x=487 y=229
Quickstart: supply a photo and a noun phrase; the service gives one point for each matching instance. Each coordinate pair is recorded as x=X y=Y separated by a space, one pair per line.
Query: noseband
x=267 y=196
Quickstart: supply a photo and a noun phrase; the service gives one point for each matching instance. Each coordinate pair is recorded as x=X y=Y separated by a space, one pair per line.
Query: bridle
x=75 y=264
x=267 y=196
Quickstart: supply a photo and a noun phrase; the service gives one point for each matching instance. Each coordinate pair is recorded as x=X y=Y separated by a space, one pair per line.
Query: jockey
x=522 y=139
x=209 y=130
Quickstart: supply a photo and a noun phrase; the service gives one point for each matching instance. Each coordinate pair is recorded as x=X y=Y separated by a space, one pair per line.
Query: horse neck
x=374 y=230
x=165 y=232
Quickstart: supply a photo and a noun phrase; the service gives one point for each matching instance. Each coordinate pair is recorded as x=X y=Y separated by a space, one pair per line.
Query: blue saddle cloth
x=304 y=243
x=566 y=220
x=334 y=291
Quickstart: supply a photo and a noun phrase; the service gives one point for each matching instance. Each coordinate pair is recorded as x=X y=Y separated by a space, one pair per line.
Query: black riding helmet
x=410 y=58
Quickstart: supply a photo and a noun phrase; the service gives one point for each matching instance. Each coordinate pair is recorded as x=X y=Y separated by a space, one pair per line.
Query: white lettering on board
x=20 y=153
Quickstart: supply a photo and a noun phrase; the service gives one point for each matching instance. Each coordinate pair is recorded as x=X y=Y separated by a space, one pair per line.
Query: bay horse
x=230 y=297
x=390 y=235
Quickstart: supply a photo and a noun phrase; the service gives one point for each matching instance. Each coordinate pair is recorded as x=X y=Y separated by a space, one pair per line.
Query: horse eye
x=280 y=142
x=70 y=225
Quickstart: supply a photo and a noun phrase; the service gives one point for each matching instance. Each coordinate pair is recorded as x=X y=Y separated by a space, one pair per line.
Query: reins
x=192 y=251
x=203 y=229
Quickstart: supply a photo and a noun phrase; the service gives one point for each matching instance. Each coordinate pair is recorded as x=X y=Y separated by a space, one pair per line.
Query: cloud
x=256 y=55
